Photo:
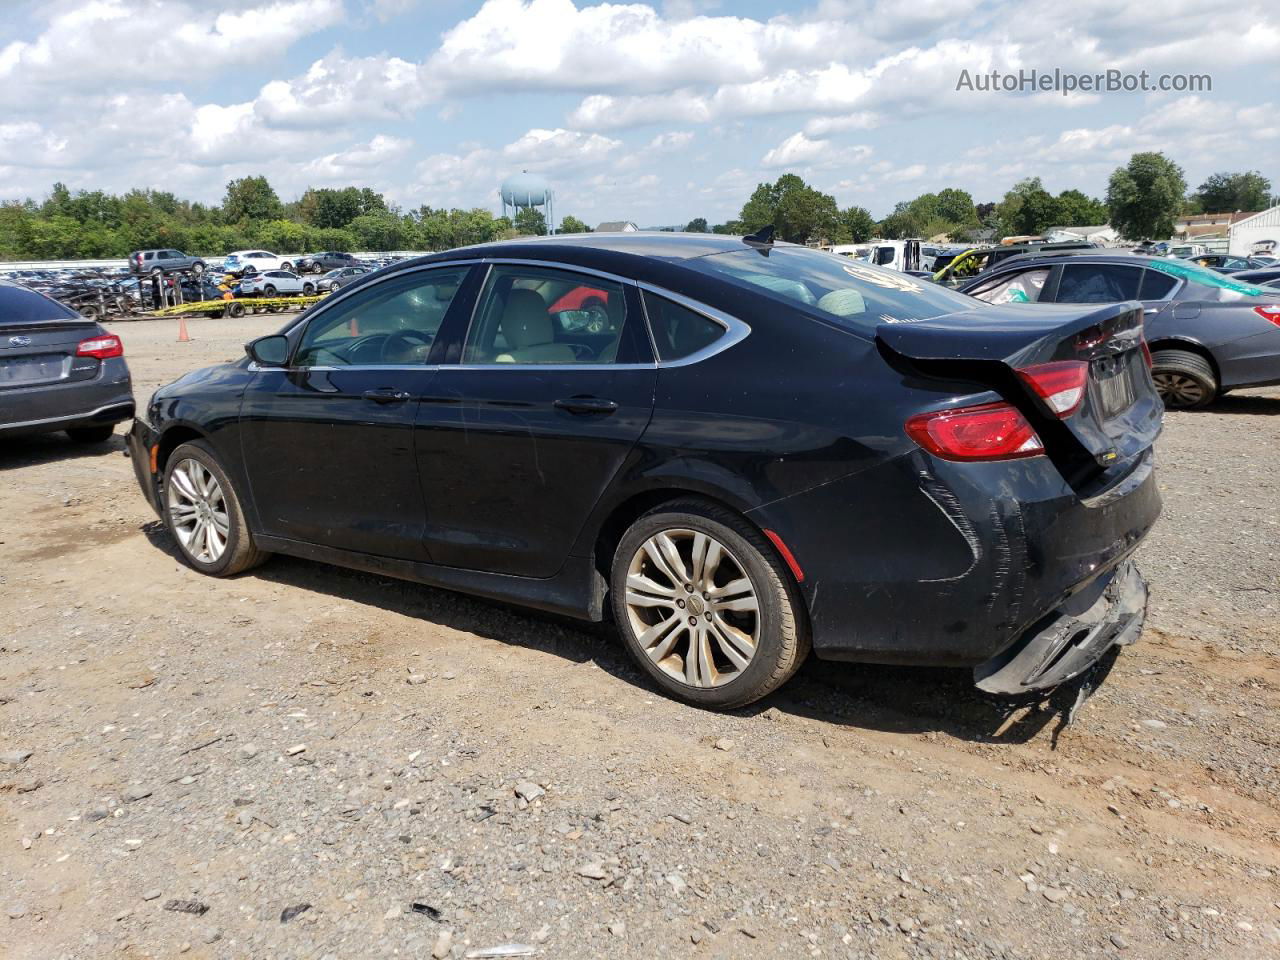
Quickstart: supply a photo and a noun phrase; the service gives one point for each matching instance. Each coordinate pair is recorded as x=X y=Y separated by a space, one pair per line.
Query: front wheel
x=308 y=289
x=287 y=266
x=198 y=267
x=1185 y=379
x=705 y=606
x=204 y=515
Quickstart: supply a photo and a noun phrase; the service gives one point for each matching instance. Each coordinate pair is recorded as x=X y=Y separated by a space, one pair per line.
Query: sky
x=653 y=112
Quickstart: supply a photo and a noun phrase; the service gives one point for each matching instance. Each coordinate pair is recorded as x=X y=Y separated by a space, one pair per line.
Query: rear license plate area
x=38 y=368
x=1113 y=385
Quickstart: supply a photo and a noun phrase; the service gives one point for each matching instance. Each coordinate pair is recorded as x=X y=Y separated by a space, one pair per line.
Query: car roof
x=661 y=244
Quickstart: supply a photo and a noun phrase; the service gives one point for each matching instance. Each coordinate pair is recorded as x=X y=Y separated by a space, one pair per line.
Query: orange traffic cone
x=183 y=336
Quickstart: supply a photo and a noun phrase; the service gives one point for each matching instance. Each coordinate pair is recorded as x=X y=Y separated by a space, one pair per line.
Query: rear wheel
x=705 y=606
x=91 y=434
x=287 y=266
x=203 y=513
x=198 y=267
x=308 y=288
x=1185 y=379
x=89 y=312
x=235 y=309
x=269 y=290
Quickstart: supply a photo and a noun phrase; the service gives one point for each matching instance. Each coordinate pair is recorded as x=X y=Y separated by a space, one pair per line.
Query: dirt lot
x=306 y=735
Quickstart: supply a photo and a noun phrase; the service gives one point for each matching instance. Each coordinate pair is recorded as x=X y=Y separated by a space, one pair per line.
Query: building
x=1210 y=225
x=1251 y=233
x=1101 y=234
x=617 y=226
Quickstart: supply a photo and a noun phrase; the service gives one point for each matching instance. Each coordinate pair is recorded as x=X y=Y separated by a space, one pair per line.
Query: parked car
x=1208 y=332
x=958 y=269
x=248 y=262
x=320 y=262
x=1226 y=263
x=275 y=283
x=771 y=448
x=58 y=370
x=1262 y=277
x=157 y=262
x=340 y=277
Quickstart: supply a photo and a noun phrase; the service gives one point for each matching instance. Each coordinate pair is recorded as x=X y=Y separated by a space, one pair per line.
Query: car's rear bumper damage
x=1064 y=644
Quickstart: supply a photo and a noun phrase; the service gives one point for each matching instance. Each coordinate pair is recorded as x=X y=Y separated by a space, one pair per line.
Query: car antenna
x=761 y=238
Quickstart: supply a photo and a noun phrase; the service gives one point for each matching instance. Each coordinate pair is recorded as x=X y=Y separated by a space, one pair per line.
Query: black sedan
x=1208 y=332
x=743 y=451
x=58 y=370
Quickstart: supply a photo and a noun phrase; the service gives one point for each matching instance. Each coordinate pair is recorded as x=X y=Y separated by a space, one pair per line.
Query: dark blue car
x=754 y=450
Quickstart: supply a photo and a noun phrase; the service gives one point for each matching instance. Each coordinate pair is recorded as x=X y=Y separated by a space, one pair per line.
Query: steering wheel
x=409 y=341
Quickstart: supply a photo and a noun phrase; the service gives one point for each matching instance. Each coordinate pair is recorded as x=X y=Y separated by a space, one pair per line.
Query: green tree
x=382 y=231
x=251 y=198
x=1145 y=196
x=530 y=221
x=797 y=211
x=573 y=225
x=956 y=206
x=1230 y=192
x=697 y=225
x=1076 y=209
x=859 y=223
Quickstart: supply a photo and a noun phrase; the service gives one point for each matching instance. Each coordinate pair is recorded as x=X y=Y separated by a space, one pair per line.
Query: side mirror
x=269 y=351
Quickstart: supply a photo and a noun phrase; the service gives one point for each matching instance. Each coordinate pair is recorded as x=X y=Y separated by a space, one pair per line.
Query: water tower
x=527 y=189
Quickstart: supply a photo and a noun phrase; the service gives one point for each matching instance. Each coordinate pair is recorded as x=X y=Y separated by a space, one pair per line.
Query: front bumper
x=1063 y=645
x=139 y=442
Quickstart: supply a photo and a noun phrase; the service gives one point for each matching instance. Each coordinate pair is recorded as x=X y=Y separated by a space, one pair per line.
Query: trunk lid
x=39 y=352
x=1120 y=415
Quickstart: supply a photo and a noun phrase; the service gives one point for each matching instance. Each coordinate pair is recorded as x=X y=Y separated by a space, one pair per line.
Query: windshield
x=851 y=293
x=333 y=273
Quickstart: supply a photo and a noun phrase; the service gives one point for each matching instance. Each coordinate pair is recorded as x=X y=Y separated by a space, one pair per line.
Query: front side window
x=1098 y=283
x=392 y=323
x=679 y=332
x=531 y=315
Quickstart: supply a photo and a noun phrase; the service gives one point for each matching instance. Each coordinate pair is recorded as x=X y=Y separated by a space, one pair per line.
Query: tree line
x=1143 y=200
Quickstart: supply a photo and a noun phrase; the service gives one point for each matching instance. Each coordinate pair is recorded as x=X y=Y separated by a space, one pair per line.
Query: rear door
x=518 y=439
x=328 y=442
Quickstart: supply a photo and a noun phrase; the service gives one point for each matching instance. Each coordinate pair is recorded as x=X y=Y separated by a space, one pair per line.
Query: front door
x=518 y=440
x=329 y=441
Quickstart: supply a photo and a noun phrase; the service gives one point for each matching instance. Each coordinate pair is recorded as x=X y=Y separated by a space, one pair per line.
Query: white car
x=274 y=283
x=254 y=261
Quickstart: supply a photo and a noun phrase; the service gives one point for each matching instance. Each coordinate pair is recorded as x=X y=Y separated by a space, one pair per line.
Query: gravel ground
x=310 y=762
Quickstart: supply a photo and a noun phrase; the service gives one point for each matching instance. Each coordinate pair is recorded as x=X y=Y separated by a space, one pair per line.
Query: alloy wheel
x=693 y=608
x=1178 y=390
x=198 y=511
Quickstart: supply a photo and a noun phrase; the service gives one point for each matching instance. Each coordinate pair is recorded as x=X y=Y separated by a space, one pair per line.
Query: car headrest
x=525 y=321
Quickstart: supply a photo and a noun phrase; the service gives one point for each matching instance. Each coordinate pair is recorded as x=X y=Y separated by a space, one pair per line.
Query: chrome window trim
x=736 y=330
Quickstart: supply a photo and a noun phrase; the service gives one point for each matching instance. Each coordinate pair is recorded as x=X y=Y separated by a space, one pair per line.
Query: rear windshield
x=851 y=293
x=20 y=305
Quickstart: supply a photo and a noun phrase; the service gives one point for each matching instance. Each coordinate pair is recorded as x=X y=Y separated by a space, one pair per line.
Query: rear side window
x=1024 y=287
x=850 y=293
x=533 y=315
x=1098 y=283
x=1156 y=285
x=679 y=332
x=20 y=305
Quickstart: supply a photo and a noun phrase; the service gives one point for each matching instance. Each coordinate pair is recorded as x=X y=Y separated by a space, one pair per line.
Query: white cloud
x=797 y=150
x=360 y=162
x=559 y=149
x=336 y=89
x=106 y=44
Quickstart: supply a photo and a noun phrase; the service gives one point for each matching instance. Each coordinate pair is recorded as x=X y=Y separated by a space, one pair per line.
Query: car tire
x=198 y=267
x=269 y=290
x=771 y=641
x=91 y=434
x=287 y=266
x=308 y=289
x=238 y=552
x=235 y=310
x=156 y=272
x=1185 y=380
x=89 y=312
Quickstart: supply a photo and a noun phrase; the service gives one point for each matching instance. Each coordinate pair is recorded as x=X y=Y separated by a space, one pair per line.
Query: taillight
x=1146 y=354
x=993 y=431
x=1059 y=384
x=1270 y=312
x=101 y=347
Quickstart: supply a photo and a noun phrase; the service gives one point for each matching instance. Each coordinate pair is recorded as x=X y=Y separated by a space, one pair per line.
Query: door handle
x=586 y=405
x=387 y=395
